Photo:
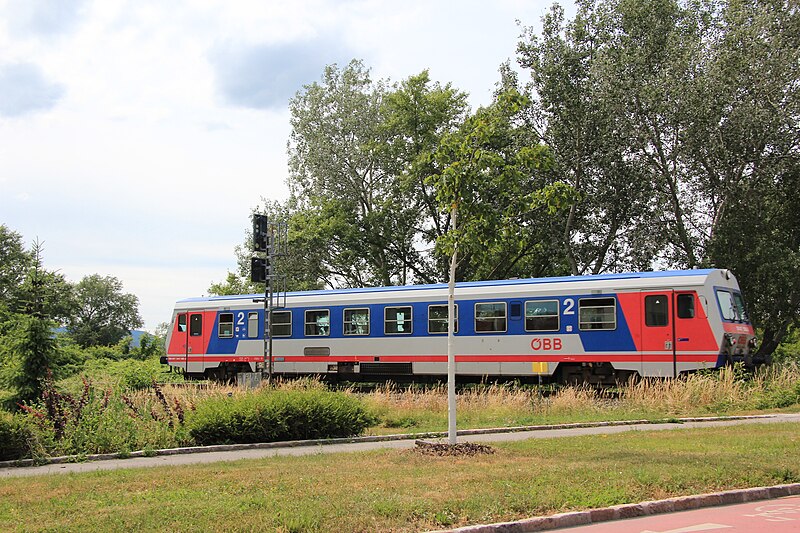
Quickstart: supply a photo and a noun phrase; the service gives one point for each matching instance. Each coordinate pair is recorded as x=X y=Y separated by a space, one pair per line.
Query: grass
x=714 y=393
x=399 y=490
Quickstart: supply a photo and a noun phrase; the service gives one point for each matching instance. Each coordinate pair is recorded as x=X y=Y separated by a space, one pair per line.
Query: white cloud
x=125 y=161
x=24 y=90
x=266 y=76
x=43 y=18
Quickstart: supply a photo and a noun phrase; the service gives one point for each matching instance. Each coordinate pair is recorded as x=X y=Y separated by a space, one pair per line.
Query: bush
x=277 y=415
x=102 y=421
x=16 y=436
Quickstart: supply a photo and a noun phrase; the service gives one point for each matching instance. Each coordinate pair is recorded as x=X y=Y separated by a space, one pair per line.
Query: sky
x=137 y=136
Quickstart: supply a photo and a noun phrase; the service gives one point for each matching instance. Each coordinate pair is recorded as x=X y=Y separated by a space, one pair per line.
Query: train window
x=686 y=306
x=182 y=323
x=252 y=325
x=356 y=321
x=196 y=325
x=281 y=323
x=726 y=305
x=318 y=323
x=741 y=313
x=397 y=320
x=597 y=313
x=732 y=306
x=490 y=317
x=656 y=310
x=541 y=315
x=437 y=319
x=225 y=328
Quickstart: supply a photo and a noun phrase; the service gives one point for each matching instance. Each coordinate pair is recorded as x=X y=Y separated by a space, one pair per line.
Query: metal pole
x=451 y=359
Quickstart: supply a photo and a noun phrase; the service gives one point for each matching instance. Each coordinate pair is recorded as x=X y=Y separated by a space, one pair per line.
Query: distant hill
x=137 y=337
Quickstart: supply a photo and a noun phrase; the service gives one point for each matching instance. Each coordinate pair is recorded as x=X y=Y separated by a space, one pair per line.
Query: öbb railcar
x=590 y=329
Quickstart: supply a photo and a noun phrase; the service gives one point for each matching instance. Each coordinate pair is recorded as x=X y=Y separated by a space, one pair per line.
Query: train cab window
x=686 y=306
x=437 y=319
x=225 y=328
x=597 y=313
x=732 y=306
x=397 y=320
x=741 y=313
x=196 y=325
x=490 y=317
x=726 y=305
x=656 y=310
x=541 y=315
x=182 y=323
x=356 y=321
x=252 y=325
x=318 y=323
x=281 y=323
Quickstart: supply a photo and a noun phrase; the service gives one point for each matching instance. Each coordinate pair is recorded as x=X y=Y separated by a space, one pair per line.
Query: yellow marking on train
x=539 y=368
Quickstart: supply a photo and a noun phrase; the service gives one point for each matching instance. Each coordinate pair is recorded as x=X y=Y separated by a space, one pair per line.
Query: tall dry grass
x=417 y=408
x=727 y=391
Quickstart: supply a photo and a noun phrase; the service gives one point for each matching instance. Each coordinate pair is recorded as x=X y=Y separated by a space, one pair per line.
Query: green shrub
x=16 y=437
x=277 y=415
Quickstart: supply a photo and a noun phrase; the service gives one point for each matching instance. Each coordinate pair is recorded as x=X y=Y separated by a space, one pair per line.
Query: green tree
x=682 y=117
x=418 y=114
x=301 y=265
x=503 y=195
x=359 y=153
x=14 y=264
x=103 y=313
x=29 y=348
x=747 y=156
x=578 y=112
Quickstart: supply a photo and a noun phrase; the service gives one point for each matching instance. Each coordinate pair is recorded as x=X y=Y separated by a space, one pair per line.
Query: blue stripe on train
x=619 y=339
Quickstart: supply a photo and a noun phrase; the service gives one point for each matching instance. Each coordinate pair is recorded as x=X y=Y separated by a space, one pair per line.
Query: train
x=592 y=329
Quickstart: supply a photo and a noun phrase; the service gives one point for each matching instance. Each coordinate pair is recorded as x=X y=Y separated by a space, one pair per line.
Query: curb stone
x=634 y=510
x=371 y=438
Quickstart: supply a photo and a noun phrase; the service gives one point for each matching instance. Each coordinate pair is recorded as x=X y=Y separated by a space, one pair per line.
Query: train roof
x=701 y=273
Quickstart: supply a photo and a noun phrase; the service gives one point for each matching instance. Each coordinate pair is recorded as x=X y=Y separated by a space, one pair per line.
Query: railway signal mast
x=269 y=243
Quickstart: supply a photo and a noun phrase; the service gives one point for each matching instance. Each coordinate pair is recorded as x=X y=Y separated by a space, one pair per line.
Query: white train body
x=596 y=329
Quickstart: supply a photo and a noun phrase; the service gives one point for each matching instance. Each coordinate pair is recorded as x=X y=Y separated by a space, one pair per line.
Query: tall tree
x=341 y=180
x=746 y=154
x=574 y=114
x=104 y=314
x=686 y=113
x=502 y=193
x=14 y=263
x=359 y=153
x=418 y=115
x=29 y=349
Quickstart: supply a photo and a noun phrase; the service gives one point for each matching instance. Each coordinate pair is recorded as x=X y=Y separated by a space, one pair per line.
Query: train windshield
x=732 y=306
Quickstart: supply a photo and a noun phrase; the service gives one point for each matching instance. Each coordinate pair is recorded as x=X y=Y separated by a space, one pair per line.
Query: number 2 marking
x=569 y=306
x=240 y=318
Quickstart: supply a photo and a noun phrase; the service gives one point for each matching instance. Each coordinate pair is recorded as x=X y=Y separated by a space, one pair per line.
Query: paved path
x=773 y=516
x=211 y=457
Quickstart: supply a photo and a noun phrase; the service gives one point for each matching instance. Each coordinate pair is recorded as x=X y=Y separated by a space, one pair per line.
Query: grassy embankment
x=109 y=414
x=391 y=490
x=726 y=392
x=412 y=410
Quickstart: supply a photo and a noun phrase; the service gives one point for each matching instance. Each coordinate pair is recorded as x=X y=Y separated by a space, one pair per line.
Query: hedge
x=16 y=437
x=278 y=415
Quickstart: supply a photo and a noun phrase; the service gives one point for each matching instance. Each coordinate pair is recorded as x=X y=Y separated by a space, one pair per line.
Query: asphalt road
x=212 y=457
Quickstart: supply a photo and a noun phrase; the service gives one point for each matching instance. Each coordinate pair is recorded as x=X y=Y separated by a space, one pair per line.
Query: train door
x=195 y=342
x=658 y=334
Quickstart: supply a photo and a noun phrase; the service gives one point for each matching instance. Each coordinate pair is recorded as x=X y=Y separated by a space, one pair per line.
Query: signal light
x=259 y=269
x=261 y=240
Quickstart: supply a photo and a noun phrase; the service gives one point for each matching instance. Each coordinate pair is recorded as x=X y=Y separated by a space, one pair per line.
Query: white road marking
x=690 y=529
